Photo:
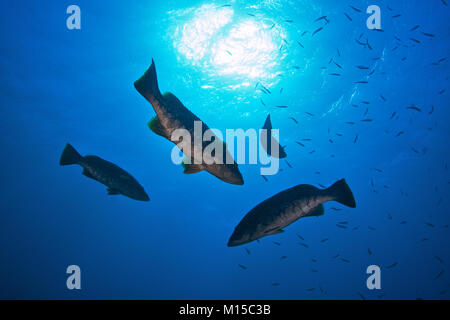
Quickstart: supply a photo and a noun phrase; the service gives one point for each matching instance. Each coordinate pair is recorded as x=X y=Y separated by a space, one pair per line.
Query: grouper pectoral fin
x=112 y=192
x=155 y=125
x=317 y=211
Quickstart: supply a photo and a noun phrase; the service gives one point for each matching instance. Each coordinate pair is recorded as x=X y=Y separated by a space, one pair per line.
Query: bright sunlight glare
x=225 y=44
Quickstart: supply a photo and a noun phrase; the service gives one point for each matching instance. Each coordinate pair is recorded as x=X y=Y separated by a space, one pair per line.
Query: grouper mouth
x=234 y=178
x=144 y=198
x=140 y=197
x=233 y=243
x=237 y=181
x=237 y=242
x=231 y=178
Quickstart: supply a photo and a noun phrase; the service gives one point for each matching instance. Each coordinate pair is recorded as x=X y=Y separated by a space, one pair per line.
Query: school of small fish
x=272 y=215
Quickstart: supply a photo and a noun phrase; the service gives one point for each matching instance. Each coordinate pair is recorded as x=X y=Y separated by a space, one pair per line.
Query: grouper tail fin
x=147 y=85
x=341 y=193
x=69 y=156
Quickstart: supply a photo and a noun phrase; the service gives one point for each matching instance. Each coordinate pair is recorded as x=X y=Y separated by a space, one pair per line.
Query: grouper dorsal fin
x=317 y=211
x=155 y=125
x=267 y=123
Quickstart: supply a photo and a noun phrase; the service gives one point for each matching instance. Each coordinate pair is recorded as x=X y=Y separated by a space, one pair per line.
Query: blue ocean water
x=60 y=85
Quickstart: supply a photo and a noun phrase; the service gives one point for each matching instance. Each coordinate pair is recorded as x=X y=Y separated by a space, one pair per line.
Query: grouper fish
x=272 y=215
x=269 y=143
x=171 y=115
x=117 y=180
